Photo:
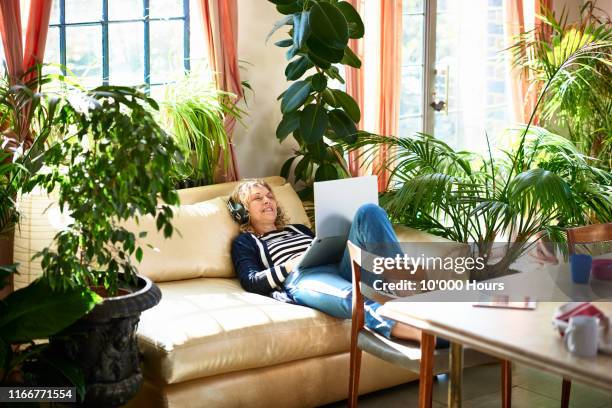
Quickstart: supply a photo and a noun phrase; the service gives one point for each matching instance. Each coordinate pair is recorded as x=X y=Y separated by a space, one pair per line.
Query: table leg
x=506 y=384
x=426 y=370
x=456 y=374
x=565 y=393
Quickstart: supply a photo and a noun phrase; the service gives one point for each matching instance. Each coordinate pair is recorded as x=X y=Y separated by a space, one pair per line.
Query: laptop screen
x=337 y=201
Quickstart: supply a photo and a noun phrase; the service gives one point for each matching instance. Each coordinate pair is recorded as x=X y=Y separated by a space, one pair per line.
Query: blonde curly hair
x=242 y=193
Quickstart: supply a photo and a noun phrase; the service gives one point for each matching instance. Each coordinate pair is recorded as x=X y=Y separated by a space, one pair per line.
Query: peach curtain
x=390 y=77
x=220 y=22
x=354 y=87
x=17 y=61
x=524 y=96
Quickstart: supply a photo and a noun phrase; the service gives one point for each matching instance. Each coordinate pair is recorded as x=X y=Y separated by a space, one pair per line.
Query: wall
x=263 y=66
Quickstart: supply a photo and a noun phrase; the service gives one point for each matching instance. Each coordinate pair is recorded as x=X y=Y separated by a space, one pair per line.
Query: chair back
x=588 y=235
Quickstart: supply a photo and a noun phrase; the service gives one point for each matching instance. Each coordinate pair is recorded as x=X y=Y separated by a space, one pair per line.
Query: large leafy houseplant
x=114 y=163
x=37 y=311
x=193 y=111
x=313 y=112
x=575 y=59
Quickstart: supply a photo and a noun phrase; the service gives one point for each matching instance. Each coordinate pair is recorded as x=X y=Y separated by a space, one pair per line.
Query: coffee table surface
x=525 y=336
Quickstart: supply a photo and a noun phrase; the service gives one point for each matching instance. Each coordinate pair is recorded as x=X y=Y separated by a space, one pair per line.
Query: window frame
x=104 y=22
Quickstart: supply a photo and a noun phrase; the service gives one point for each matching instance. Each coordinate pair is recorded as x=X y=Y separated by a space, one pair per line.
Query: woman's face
x=262 y=206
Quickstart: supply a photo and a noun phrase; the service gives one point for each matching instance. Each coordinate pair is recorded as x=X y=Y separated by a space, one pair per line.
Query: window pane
x=412 y=51
x=126 y=48
x=78 y=11
x=411 y=96
x=84 y=53
x=165 y=8
x=166 y=50
x=413 y=6
x=410 y=125
x=469 y=51
x=125 y=9
x=52 y=51
x=54 y=18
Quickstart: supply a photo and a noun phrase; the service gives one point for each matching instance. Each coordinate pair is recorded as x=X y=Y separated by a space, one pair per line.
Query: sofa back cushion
x=201 y=244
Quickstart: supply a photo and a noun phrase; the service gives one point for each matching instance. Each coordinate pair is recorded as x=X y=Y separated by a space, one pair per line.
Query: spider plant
x=193 y=112
x=575 y=61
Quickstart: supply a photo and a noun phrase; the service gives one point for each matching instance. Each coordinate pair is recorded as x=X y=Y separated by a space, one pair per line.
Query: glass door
x=455 y=74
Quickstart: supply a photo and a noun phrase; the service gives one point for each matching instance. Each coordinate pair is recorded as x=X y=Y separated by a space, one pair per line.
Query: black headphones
x=239 y=213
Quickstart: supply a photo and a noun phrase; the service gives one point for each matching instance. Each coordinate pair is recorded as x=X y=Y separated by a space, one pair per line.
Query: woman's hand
x=291 y=264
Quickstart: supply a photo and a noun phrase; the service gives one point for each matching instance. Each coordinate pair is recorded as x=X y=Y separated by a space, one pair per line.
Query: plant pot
x=103 y=343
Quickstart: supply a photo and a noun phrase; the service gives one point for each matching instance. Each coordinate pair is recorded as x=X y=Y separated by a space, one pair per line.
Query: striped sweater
x=259 y=260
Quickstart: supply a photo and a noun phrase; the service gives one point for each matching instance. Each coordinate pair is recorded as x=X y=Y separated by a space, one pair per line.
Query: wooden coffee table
x=522 y=336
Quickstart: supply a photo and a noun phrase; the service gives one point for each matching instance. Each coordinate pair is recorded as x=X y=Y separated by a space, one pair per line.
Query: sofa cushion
x=204 y=327
x=203 y=193
x=201 y=244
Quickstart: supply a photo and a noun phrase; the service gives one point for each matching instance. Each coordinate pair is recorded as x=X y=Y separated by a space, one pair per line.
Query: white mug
x=582 y=336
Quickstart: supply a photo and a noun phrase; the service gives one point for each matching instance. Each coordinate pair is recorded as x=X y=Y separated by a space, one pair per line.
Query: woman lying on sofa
x=267 y=252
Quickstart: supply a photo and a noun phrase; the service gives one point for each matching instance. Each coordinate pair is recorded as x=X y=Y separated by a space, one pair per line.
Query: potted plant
x=114 y=163
x=580 y=87
x=29 y=316
x=193 y=112
x=316 y=114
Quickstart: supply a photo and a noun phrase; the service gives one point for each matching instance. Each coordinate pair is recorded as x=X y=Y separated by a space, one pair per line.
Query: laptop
x=336 y=203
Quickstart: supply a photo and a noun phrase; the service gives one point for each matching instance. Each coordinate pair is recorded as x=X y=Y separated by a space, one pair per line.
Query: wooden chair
x=422 y=358
x=589 y=234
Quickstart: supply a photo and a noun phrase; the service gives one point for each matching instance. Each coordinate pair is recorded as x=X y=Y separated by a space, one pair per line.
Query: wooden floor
x=481 y=389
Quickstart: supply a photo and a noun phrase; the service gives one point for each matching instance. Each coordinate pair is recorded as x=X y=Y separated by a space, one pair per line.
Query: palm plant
x=466 y=197
x=193 y=112
x=575 y=59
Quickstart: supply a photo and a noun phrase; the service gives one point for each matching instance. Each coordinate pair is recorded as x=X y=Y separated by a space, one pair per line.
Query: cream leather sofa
x=209 y=343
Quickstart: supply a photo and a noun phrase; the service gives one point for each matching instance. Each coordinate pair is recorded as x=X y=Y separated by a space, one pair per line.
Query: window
x=453 y=57
x=121 y=42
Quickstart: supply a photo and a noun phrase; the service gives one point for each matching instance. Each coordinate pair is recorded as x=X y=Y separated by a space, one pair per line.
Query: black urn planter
x=103 y=343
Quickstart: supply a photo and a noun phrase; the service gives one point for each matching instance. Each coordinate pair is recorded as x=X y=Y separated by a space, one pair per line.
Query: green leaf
x=72 y=371
x=350 y=58
x=139 y=254
x=318 y=61
x=288 y=8
x=329 y=98
x=301 y=168
x=334 y=73
x=326 y=171
x=294 y=96
x=323 y=52
x=287 y=20
x=288 y=124
x=349 y=105
x=287 y=166
x=329 y=25
x=282 y=2
x=342 y=125
x=5 y=272
x=37 y=312
x=301 y=28
x=356 y=28
x=313 y=122
x=319 y=82
x=284 y=43
x=297 y=68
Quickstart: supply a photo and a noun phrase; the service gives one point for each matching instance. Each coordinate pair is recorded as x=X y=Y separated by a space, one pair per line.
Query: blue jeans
x=328 y=287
